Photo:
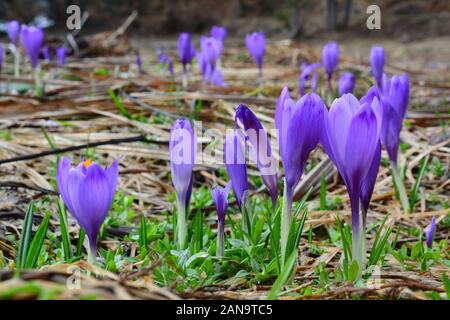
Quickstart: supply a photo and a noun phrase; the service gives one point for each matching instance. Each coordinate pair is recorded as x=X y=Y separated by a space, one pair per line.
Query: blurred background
x=407 y=20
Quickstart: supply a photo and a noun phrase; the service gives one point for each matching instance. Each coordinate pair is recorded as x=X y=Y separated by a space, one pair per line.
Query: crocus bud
x=210 y=50
x=330 y=57
x=218 y=33
x=88 y=191
x=377 y=63
x=185 y=48
x=61 y=53
x=183 y=150
x=395 y=103
x=235 y=162
x=260 y=150
x=256 y=44
x=220 y=197
x=308 y=72
x=429 y=232
x=13 y=31
x=351 y=138
x=32 y=41
x=346 y=83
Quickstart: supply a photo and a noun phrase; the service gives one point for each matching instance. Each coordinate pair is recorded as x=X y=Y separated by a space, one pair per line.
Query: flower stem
x=92 y=252
x=181 y=225
x=220 y=244
x=285 y=223
x=184 y=78
x=358 y=233
x=400 y=187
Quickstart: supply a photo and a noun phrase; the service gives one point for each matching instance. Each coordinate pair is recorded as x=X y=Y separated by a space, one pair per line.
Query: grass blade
x=323 y=193
x=283 y=277
x=25 y=237
x=80 y=241
x=415 y=189
x=118 y=103
x=37 y=242
x=143 y=240
x=65 y=237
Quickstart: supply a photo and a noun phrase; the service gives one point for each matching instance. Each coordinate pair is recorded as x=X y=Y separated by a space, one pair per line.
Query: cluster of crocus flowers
x=304 y=121
x=309 y=71
x=256 y=45
x=377 y=63
x=330 y=59
x=220 y=198
x=351 y=140
x=183 y=151
x=346 y=83
x=87 y=191
x=186 y=52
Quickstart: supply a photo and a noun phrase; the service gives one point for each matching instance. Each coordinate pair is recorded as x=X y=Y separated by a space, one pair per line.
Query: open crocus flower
x=429 y=232
x=303 y=120
x=61 y=53
x=351 y=139
x=260 y=150
x=32 y=41
x=88 y=191
x=13 y=31
x=256 y=45
x=220 y=197
x=183 y=150
x=308 y=72
x=186 y=52
x=346 y=83
x=330 y=58
x=377 y=63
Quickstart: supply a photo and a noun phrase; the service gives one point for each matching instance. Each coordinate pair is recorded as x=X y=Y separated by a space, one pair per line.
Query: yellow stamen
x=87 y=163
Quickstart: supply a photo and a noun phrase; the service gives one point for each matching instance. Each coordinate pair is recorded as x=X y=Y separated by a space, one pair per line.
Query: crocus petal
x=260 y=150
x=218 y=32
x=346 y=83
x=284 y=95
x=369 y=181
x=429 y=232
x=377 y=63
x=220 y=197
x=330 y=57
x=185 y=48
x=256 y=45
x=13 y=31
x=234 y=158
x=61 y=55
x=32 y=41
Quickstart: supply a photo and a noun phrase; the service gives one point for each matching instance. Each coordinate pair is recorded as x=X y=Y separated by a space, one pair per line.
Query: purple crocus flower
x=308 y=72
x=260 y=150
x=429 y=232
x=61 y=53
x=32 y=41
x=346 y=83
x=395 y=103
x=377 y=63
x=351 y=138
x=170 y=67
x=218 y=32
x=183 y=150
x=217 y=79
x=186 y=49
x=46 y=53
x=256 y=44
x=220 y=197
x=88 y=191
x=162 y=57
x=210 y=50
x=330 y=58
x=13 y=31
x=234 y=158
x=1 y=56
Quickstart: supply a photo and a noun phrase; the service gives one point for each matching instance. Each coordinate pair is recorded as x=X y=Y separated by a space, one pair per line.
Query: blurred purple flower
x=330 y=58
x=429 y=232
x=395 y=103
x=88 y=191
x=210 y=48
x=351 y=139
x=1 y=56
x=234 y=158
x=183 y=151
x=256 y=44
x=217 y=79
x=218 y=32
x=346 y=83
x=170 y=67
x=186 y=49
x=377 y=63
x=308 y=72
x=13 y=31
x=32 y=41
x=260 y=150
x=162 y=57
x=220 y=198
x=61 y=53
x=46 y=53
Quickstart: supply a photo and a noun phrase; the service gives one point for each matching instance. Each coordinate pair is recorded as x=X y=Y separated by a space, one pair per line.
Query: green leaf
x=80 y=241
x=323 y=193
x=25 y=237
x=446 y=284
x=65 y=237
x=143 y=240
x=283 y=277
x=415 y=189
x=353 y=271
x=118 y=103
x=37 y=242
